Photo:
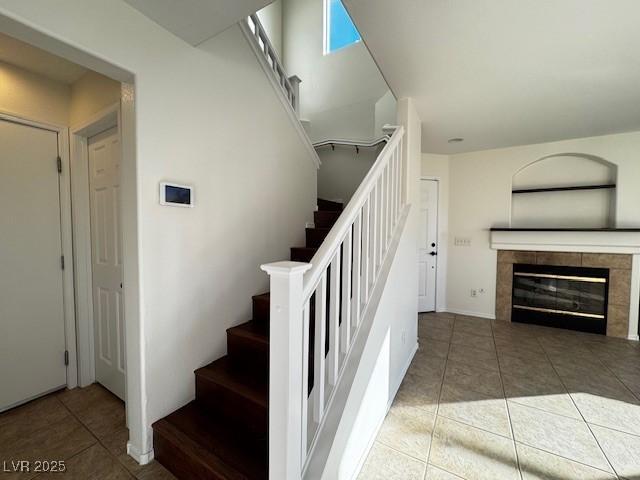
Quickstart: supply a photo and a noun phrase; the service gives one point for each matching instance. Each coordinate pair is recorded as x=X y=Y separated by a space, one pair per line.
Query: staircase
x=223 y=433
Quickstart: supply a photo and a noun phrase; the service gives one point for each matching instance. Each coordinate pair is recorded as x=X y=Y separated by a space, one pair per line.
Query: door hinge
x=62 y=262
x=66 y=357
x=59 y=164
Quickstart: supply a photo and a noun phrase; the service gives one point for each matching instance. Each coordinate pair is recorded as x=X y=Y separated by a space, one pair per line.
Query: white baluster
x=366 y=251
x=318 y=352
x=306 y=346
x=356 y=271
x=334 y=319
x=286 y=390
x=345 y=326
x=374 y=235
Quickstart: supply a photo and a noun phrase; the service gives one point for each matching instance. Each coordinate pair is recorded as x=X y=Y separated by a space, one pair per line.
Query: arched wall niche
x=590 y=205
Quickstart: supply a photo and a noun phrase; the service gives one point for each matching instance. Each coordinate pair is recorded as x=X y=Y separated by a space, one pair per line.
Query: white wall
x=196 y=109
x=339 y=91
x=32 y=96
x=90 y=94
x=437 y=167
x=480 y=198
x=342 y=170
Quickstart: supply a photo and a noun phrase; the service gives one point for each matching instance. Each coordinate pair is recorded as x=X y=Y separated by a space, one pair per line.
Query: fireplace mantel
x=614 y=240
x=623 y=241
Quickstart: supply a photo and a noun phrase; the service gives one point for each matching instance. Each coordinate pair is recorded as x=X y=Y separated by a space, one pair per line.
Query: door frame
x=439 y=212
x=66 y=230
x=79 y=138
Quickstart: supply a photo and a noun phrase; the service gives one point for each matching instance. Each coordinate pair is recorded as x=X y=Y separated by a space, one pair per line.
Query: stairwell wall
x=204 y=116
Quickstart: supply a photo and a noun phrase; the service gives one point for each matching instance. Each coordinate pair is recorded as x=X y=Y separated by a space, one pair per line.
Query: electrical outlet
x=474 y=293
x=462 y=241
x=481 y=291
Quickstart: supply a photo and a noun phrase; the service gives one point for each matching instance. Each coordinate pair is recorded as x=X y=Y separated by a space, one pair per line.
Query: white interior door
x=106 y=249
x=428 y=250
x=32 y=335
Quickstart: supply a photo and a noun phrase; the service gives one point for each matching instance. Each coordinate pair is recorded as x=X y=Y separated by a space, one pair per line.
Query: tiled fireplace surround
x=619 y=266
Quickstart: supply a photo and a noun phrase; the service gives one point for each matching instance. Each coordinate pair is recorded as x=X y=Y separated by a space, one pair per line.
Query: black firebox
x=565 y=297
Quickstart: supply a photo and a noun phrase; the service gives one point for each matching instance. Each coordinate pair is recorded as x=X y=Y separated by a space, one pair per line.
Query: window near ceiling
x=339 y=30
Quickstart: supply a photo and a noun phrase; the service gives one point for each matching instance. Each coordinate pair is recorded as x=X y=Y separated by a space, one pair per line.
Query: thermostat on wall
x=176 y=195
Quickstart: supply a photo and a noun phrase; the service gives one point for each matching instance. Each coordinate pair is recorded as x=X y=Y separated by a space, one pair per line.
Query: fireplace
x=558 y=296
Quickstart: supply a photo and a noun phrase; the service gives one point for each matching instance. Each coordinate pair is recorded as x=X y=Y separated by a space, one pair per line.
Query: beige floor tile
x=563 y=436
x=475 y=409
x=408 y=430
x=474 y=356
x=545 y=393
x=475 y=341
x=435 y=333
x=384 y=463
x=427 y=366
x=622 y=450
x=474 y=378
x=94 y=463
x=471 y=328
x=525 y=368
x=623 y=415
x=539 y=465
x=435 y=473
x=150 y=471
x=20 y=422
x=434 y=348
x=417 y=392
x=472 y=453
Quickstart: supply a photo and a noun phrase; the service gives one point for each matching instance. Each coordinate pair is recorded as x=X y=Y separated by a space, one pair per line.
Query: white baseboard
x=472 y=314
x=633 y=337
x=365 y=454
x=141 y=458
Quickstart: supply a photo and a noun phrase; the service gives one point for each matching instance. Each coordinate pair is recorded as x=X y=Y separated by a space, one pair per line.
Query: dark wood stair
x=223 y=433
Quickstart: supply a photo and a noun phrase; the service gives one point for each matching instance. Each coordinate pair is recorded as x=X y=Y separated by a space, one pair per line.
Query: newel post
x=295 y=84
x=286 y=389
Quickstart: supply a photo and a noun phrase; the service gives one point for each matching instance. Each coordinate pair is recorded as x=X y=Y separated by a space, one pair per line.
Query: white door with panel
x=32 y=330
x=106 y=251
x=428 y=249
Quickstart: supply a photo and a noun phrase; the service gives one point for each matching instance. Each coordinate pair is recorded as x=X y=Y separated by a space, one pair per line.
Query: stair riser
x=315 y=237
x=231 y=405
x=298 y=255
x=248 y=354
x=328 y=205
x=325 y=219
x=181 y=463
x=261 y=308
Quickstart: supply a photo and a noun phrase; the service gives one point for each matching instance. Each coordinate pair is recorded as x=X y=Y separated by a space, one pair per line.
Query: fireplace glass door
x=566 y=297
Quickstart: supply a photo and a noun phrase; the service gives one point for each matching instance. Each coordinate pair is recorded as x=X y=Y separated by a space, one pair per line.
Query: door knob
x=433 y=254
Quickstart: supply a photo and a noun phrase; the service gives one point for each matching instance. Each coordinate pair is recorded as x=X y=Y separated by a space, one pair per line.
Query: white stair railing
x=290 y=85
x=336 y=288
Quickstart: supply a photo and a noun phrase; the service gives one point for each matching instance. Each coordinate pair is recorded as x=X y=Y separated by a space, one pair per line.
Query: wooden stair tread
x=251 y=387
x=251 y=331
x=208 y=446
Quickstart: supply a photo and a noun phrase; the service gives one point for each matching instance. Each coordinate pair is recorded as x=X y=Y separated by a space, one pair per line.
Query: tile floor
x=493 y=400
x=84 y=427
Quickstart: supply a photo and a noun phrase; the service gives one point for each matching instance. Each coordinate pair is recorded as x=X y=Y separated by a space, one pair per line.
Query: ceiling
x=197 y=20
x=38 y=61
x=500 y=73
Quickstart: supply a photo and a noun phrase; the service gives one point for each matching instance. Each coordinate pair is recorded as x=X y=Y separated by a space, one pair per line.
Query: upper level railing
x=327 y=299
x=290 y=85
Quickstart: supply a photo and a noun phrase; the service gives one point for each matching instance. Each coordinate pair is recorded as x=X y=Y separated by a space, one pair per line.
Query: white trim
x=66 y=236
x=141 y=458
x=471 y=314
x=376 y=431
x=103 y=120
x=293 y=117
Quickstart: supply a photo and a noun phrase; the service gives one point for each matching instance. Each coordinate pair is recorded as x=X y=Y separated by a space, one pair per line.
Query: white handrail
x=337 y=288
x=322 y=258
x=352 y=143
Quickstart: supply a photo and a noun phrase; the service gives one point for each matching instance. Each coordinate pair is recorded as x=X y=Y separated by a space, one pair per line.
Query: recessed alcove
x=569 y=190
